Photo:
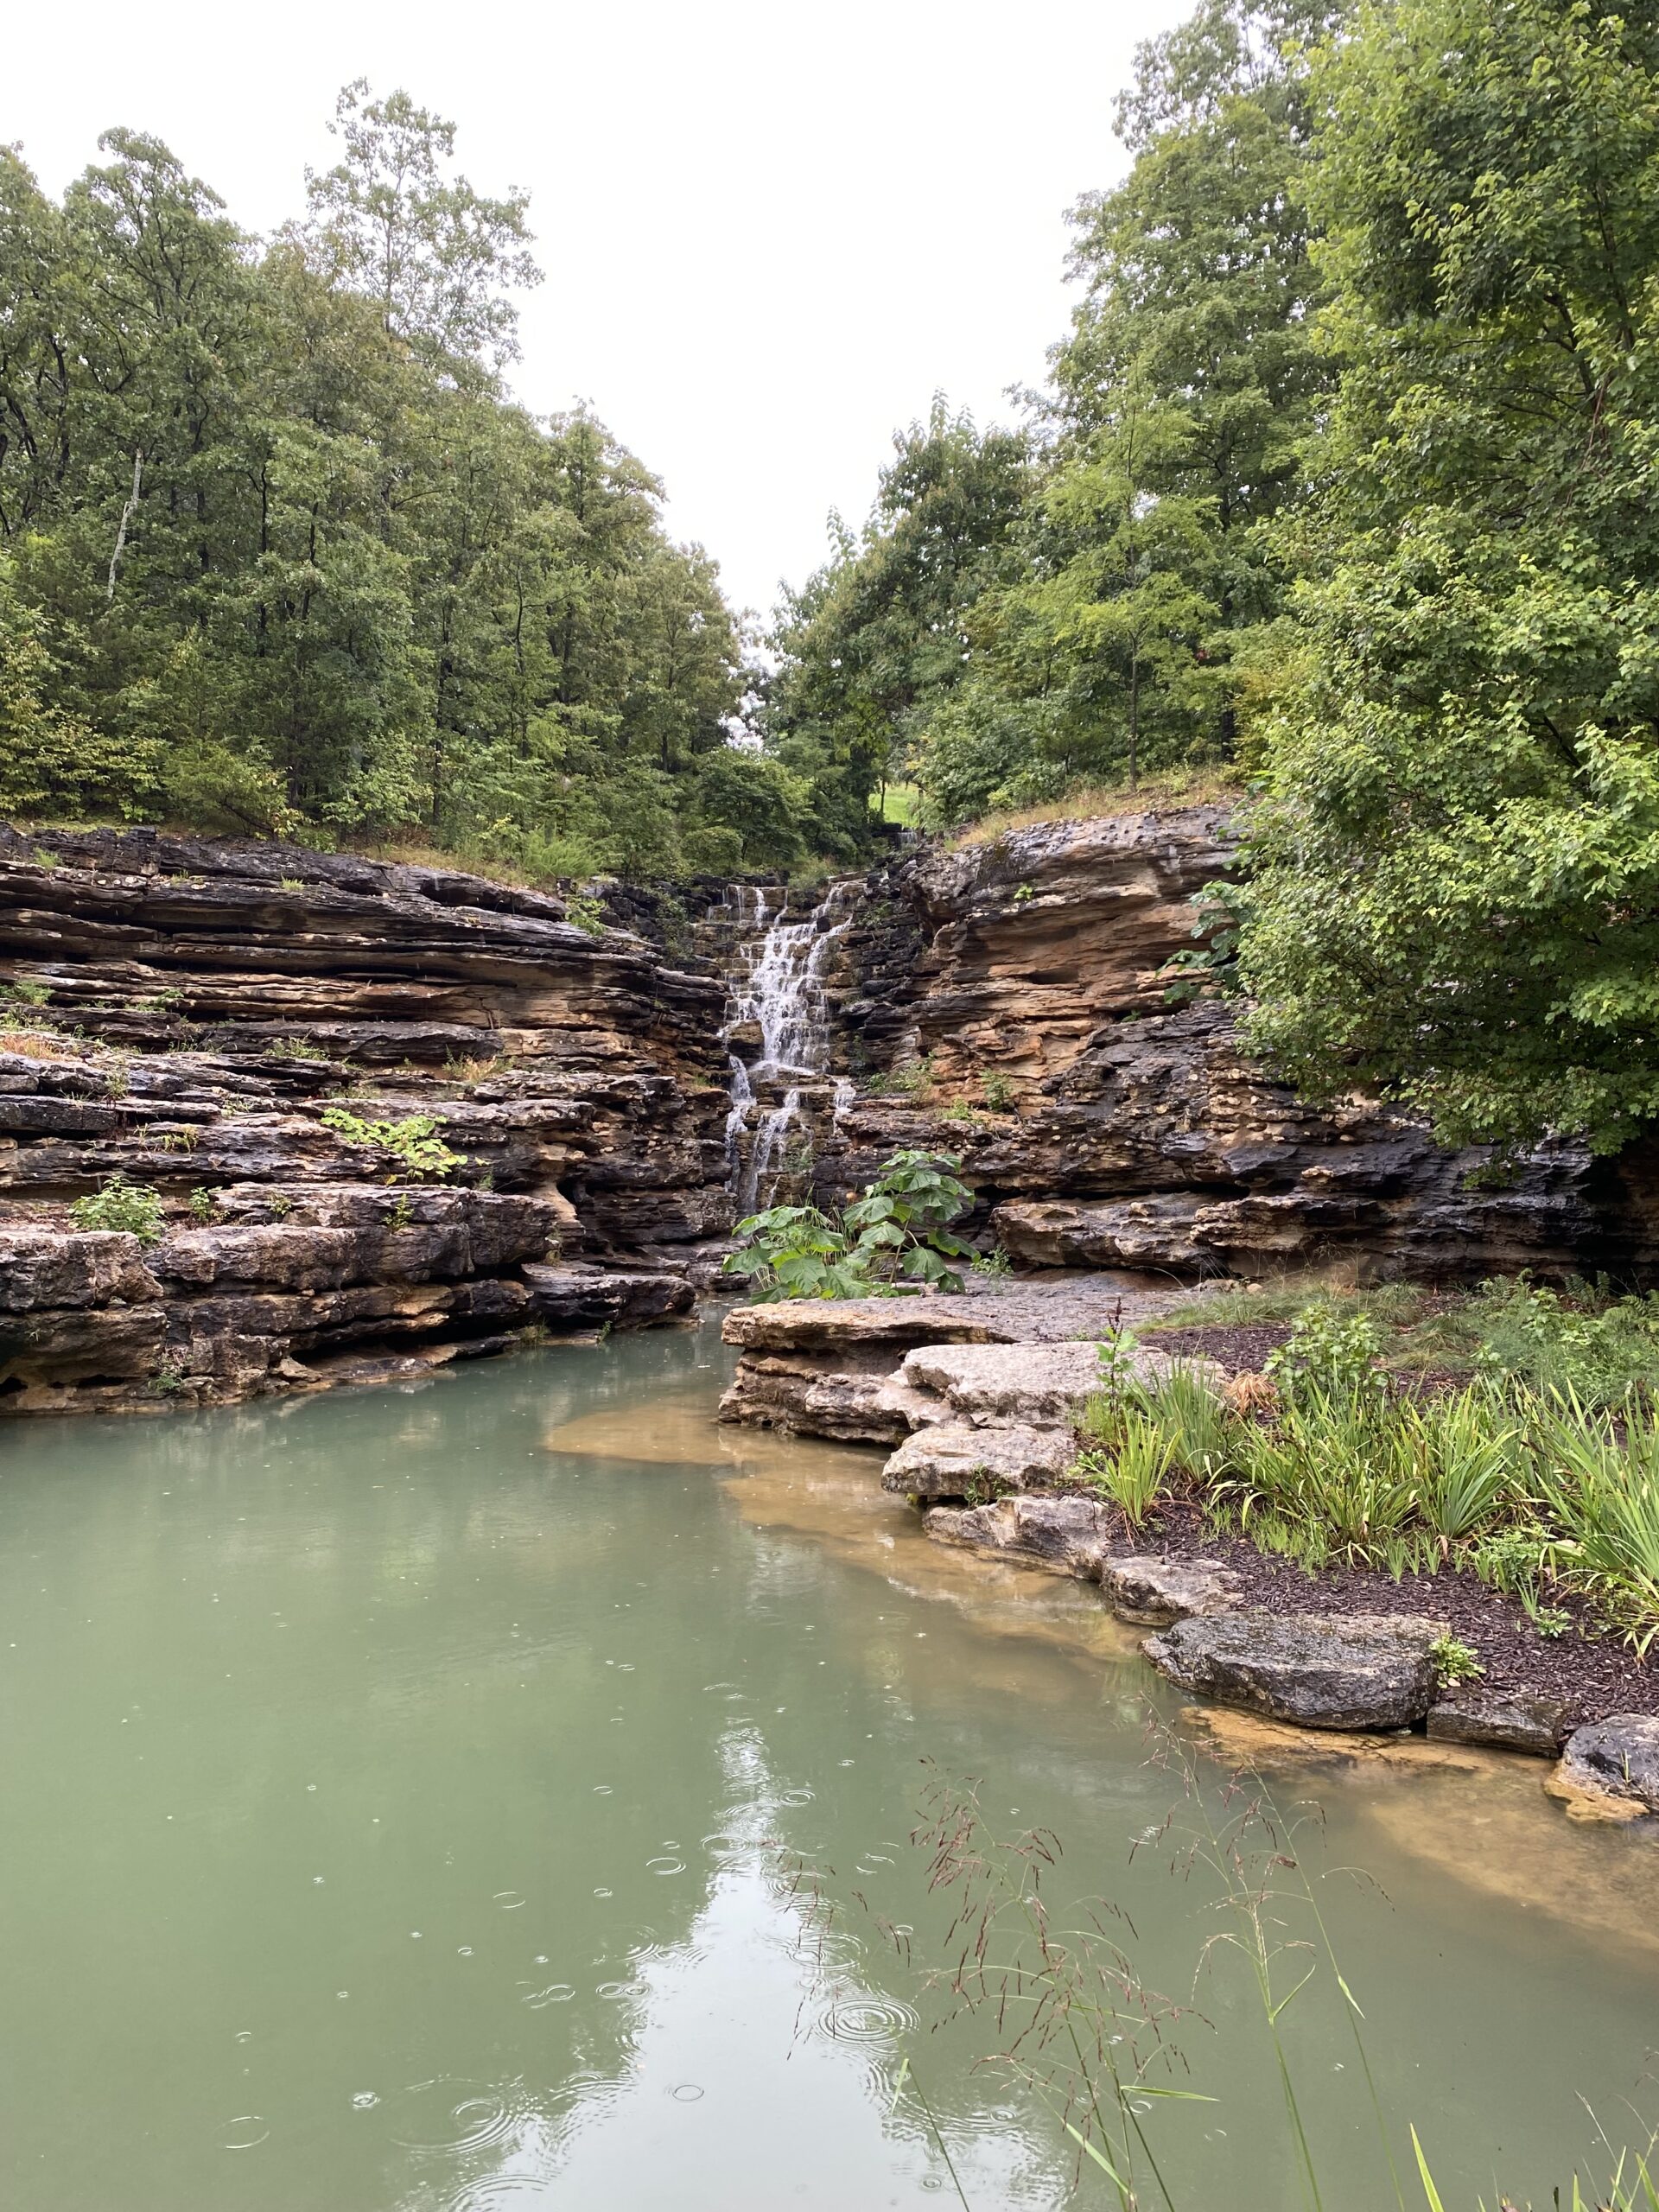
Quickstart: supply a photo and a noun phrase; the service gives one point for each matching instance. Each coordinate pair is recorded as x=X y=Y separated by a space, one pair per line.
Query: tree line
x=1346 y=481
x=279 y=554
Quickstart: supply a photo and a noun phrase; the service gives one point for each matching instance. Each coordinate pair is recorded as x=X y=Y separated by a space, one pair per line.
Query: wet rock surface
x=1161 y=1591
x=1321 y=1671
x=1507 y=1721
x=1067 y=1534
x=956 y=1458
x=1609 y=1768
x=842 y=1368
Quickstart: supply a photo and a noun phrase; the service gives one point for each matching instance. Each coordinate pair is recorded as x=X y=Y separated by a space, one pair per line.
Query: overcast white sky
x=770 y=234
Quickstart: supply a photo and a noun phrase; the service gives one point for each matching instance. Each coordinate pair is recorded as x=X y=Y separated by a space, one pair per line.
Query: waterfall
x=778 y=988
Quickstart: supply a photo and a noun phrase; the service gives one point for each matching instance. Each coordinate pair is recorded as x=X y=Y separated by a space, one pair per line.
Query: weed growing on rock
x=204 y=1204
x=997 y=1091
x=414 y=1142
x=131 y=1208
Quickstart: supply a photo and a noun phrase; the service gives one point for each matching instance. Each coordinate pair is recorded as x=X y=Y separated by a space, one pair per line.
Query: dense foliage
x=1539 y=1475
x=277 y=551
x=1457 y=888
x=1021 y=614
x=896 y=1238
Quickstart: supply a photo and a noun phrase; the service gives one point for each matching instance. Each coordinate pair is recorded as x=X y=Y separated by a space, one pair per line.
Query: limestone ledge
x=181 y=1012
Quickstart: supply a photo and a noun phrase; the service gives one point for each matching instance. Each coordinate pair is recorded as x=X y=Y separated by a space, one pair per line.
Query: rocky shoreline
x=978 y=1395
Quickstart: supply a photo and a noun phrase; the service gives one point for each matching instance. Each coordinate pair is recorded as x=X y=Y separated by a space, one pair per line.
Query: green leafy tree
x=435 y=255
x=879 y=636
x=1456 y=892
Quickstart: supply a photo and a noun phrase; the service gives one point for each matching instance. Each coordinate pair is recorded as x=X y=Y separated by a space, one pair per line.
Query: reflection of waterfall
x=778 y=990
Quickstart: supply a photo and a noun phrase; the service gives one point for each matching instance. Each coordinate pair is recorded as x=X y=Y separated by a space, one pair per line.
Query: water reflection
x=395 y=1788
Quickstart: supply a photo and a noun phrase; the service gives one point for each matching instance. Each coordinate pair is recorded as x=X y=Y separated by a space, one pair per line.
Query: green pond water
x=392 y=1785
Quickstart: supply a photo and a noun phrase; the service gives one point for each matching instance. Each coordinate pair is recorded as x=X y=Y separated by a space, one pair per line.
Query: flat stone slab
x=1508 y=1720
x=1057 y=1310
x=1609 y=1768
x=1037 y=1386
x=1042 y=1386
x=1161 y=1591
x=1066 y=1535
x=1359 y=1670
x=955 y=1459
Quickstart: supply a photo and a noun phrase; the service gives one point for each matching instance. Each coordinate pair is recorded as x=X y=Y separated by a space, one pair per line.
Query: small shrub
x=414 y=1142
x=116 y=1080
x=401 y=1214
x=294 y=1048
x=1330 y=1352
x=278 y=1204
x=960 y=1110
x=474 y=1068
x=584 y=913
x=168 y=1380
x=1454 y=1660
x=204 y=1204
x=181 y=1140
x=997 y=1091
x=24 y=991
x=132 y=1208
x=996 y=1264
x=895 y=1239
x=1558 y=1342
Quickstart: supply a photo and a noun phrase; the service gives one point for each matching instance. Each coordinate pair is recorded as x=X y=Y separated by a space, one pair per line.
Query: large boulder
x=1359 y=1670
x=1609 y=1768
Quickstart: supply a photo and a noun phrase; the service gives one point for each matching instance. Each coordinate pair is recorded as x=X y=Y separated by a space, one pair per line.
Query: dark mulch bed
x=1239 y=1350
x=1592 y=1676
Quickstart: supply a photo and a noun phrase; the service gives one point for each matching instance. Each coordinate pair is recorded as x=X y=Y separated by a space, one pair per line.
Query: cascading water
x=779 y=989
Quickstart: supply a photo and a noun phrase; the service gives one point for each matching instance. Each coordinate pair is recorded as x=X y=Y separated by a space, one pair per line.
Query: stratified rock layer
x=1027 y=977
x=182 y=1013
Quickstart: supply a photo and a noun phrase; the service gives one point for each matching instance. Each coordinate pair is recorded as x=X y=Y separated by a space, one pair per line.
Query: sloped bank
x=183 y=1014
x=979 y=1394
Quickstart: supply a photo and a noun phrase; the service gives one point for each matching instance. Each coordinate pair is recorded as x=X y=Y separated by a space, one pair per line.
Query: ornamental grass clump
x=1537 y=1493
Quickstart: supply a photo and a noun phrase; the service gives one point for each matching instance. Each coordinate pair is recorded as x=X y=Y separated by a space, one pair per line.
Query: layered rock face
x=182 y=1013
x=1025 y=975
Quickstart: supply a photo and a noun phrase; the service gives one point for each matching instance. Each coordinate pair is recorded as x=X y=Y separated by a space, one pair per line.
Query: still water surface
x=391 y=1782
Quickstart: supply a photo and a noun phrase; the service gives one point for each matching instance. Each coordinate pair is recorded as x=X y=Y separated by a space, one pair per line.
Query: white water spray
x=780 y=988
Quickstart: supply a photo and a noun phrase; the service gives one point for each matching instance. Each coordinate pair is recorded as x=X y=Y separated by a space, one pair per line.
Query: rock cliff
x=1025 y=975
x=182 y=1013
